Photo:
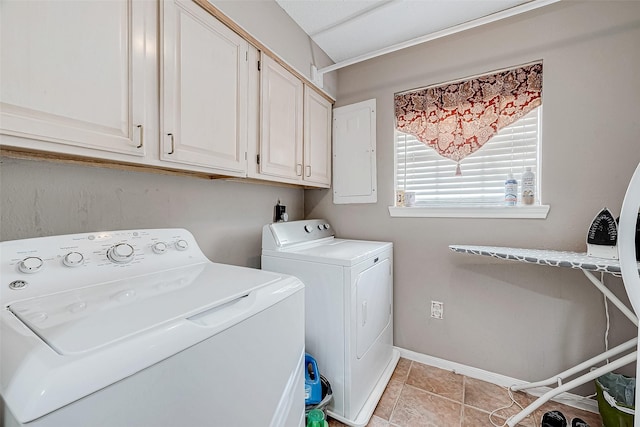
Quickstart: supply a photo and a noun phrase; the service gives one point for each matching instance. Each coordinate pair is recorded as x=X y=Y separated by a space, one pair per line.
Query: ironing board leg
x=581 y=367
x=590 y=376
x=611 y=297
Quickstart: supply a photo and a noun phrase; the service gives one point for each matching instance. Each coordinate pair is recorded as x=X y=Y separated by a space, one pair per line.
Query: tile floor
x=420 y=395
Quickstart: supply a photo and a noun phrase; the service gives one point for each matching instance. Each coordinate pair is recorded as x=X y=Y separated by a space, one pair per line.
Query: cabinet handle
x=172 y=144
x=308 y=169
x=299 y=169
x=141 y=136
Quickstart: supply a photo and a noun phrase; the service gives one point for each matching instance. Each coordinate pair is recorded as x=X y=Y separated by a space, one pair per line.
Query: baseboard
x=568 y=399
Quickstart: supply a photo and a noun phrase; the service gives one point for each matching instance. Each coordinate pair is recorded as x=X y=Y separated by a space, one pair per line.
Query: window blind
x=514 y=148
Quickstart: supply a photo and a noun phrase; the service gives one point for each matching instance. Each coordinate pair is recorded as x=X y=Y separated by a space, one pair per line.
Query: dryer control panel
x=282 y=234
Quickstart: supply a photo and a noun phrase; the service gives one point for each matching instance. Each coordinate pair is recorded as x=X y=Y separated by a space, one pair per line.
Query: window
x=479 y=191
x=420 y=169
x=457 y=142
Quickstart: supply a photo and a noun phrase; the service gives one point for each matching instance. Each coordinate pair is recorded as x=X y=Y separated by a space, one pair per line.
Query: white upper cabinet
x=295 y=129
x=161 y=84
x=73 y=76
x=204 y=83
x=281 y=103
x=317 y=138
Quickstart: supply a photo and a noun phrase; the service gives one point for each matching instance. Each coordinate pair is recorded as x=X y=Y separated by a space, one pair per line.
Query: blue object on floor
x=312 y=384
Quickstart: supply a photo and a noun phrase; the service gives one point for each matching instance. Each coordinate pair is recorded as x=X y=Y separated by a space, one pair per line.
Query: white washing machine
x=348 y=309
x=139 y=328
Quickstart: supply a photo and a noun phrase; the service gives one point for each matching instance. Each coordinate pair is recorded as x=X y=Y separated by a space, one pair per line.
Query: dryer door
x=373 y=303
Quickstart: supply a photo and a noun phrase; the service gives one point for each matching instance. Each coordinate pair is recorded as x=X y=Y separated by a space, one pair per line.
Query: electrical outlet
x=437 y=310
x=280 y=213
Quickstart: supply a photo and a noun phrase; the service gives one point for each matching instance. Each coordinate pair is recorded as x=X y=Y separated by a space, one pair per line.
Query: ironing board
x=588 y=265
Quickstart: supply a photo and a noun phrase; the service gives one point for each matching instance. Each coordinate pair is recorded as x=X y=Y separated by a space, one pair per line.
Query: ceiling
x=350 y=29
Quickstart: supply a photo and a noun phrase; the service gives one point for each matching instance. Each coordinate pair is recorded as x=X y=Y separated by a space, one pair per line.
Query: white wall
x=518 y=320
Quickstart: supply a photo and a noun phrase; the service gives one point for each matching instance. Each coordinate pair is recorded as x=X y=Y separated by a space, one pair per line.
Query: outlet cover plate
x=437 y=310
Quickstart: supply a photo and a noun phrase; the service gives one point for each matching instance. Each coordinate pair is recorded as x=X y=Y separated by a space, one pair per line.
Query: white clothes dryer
x=348 y=309
x=139 y=328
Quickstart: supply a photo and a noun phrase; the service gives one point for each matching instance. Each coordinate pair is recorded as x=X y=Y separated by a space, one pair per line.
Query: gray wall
x=518 y=320
x=42 y=198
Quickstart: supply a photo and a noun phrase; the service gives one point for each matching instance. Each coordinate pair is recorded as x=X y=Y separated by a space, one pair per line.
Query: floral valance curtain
x=457 y=119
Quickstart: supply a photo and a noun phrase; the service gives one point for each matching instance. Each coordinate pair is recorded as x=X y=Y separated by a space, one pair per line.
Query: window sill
x=528 y=212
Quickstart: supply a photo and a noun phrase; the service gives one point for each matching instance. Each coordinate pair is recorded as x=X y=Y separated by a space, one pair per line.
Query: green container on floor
x=611 y=416
x=315 y=418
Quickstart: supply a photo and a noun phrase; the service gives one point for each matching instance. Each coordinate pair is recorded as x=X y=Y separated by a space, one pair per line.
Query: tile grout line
x=466 y=383
x=435 y=394
x=395 y=403
x=464 y=391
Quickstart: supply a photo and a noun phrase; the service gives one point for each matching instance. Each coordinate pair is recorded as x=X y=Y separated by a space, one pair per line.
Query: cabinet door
x=281 y=102
x=317 y=138
x=204 y=90
x=73 y=74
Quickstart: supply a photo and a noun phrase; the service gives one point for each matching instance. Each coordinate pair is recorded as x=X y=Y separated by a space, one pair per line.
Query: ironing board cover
x=577 y=260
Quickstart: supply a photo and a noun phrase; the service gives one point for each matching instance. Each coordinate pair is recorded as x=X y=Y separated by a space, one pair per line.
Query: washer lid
x=85 y=319
x=334 y=251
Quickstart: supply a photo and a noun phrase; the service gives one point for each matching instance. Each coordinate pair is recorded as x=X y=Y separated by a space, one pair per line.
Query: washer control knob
x=16 y=285
x=121 y=253
x=182 y=245
x=159 y=247
x=308 y=228
x=326 y=226
x=39 y=317
x=73 y=259
x=31 y=264
x=124 y=296
x=77 y=307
